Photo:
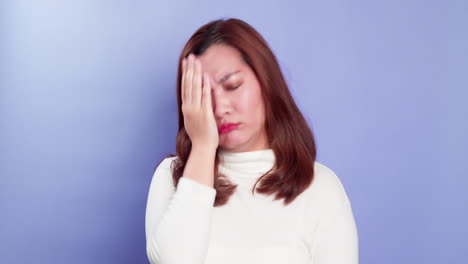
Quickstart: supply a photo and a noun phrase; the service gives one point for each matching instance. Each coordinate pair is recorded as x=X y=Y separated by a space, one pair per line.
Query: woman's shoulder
x=326 y=177
x=166 y=162
x=162 y=172
x=327 y=188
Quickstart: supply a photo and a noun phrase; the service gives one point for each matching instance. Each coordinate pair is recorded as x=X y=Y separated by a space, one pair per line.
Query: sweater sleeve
x=178 y=220
x=335 y=236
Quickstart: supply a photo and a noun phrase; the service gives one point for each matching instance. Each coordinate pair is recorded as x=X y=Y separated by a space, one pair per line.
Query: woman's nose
x=220 y=102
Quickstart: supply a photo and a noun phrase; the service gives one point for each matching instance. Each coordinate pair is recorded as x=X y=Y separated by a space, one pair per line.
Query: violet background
x=87 y=110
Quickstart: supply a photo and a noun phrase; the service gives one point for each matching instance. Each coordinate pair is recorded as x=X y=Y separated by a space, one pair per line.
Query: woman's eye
x=232 y=87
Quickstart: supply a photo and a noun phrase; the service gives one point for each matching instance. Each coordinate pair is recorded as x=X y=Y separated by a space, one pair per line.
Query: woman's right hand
x=199 y=120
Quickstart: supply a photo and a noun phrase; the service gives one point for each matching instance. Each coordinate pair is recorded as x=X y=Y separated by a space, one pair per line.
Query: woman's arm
x=337 y=238
x=178 y=220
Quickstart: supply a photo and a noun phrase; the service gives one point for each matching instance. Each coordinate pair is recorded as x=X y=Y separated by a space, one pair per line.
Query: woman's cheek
x=246 y=101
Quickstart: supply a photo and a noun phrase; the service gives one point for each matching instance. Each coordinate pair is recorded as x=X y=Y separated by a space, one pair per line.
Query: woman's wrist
x=204 y=150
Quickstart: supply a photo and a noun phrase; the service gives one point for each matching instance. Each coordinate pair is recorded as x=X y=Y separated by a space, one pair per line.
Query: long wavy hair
x=288 y=133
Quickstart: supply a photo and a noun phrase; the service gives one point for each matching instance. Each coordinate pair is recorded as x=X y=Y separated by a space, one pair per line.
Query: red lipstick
x=227 y=127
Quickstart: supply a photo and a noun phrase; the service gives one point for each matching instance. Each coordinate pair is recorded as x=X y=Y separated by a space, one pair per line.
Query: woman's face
x=243 y=105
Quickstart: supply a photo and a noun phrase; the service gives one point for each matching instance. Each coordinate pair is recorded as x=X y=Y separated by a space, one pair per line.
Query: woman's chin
x=229 y=142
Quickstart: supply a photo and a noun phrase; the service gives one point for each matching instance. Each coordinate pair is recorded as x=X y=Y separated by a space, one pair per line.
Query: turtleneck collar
x=246 y=164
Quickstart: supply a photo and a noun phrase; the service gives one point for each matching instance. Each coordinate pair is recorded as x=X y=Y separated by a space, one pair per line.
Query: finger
x=189 y=80
x=197 y=84
x=184 y=69
x=206 y=100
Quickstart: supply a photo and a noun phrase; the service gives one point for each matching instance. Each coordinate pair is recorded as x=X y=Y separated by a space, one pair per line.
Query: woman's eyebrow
x=227 y=76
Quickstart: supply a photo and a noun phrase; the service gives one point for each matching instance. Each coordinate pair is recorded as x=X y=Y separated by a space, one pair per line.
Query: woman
x=239 y=126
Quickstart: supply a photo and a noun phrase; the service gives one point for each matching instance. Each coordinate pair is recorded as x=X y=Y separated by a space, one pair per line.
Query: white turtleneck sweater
x=183 y=227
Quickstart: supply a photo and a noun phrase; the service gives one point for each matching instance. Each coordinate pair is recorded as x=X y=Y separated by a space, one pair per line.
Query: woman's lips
x=227 y=128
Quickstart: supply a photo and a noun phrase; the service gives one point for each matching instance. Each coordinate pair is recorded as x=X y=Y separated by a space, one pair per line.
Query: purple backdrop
x=88 y=109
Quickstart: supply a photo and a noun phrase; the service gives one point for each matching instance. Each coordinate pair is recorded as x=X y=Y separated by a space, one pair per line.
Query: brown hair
x=288 y=133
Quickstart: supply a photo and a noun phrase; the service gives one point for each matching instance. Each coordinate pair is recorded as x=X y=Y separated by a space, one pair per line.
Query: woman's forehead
x=221 y=61
x=217 y=57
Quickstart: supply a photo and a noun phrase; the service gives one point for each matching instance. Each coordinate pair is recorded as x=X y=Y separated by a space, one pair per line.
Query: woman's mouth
x=226 y=128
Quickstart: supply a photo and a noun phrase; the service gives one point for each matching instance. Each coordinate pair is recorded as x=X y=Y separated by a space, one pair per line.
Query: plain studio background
x=88 y=109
